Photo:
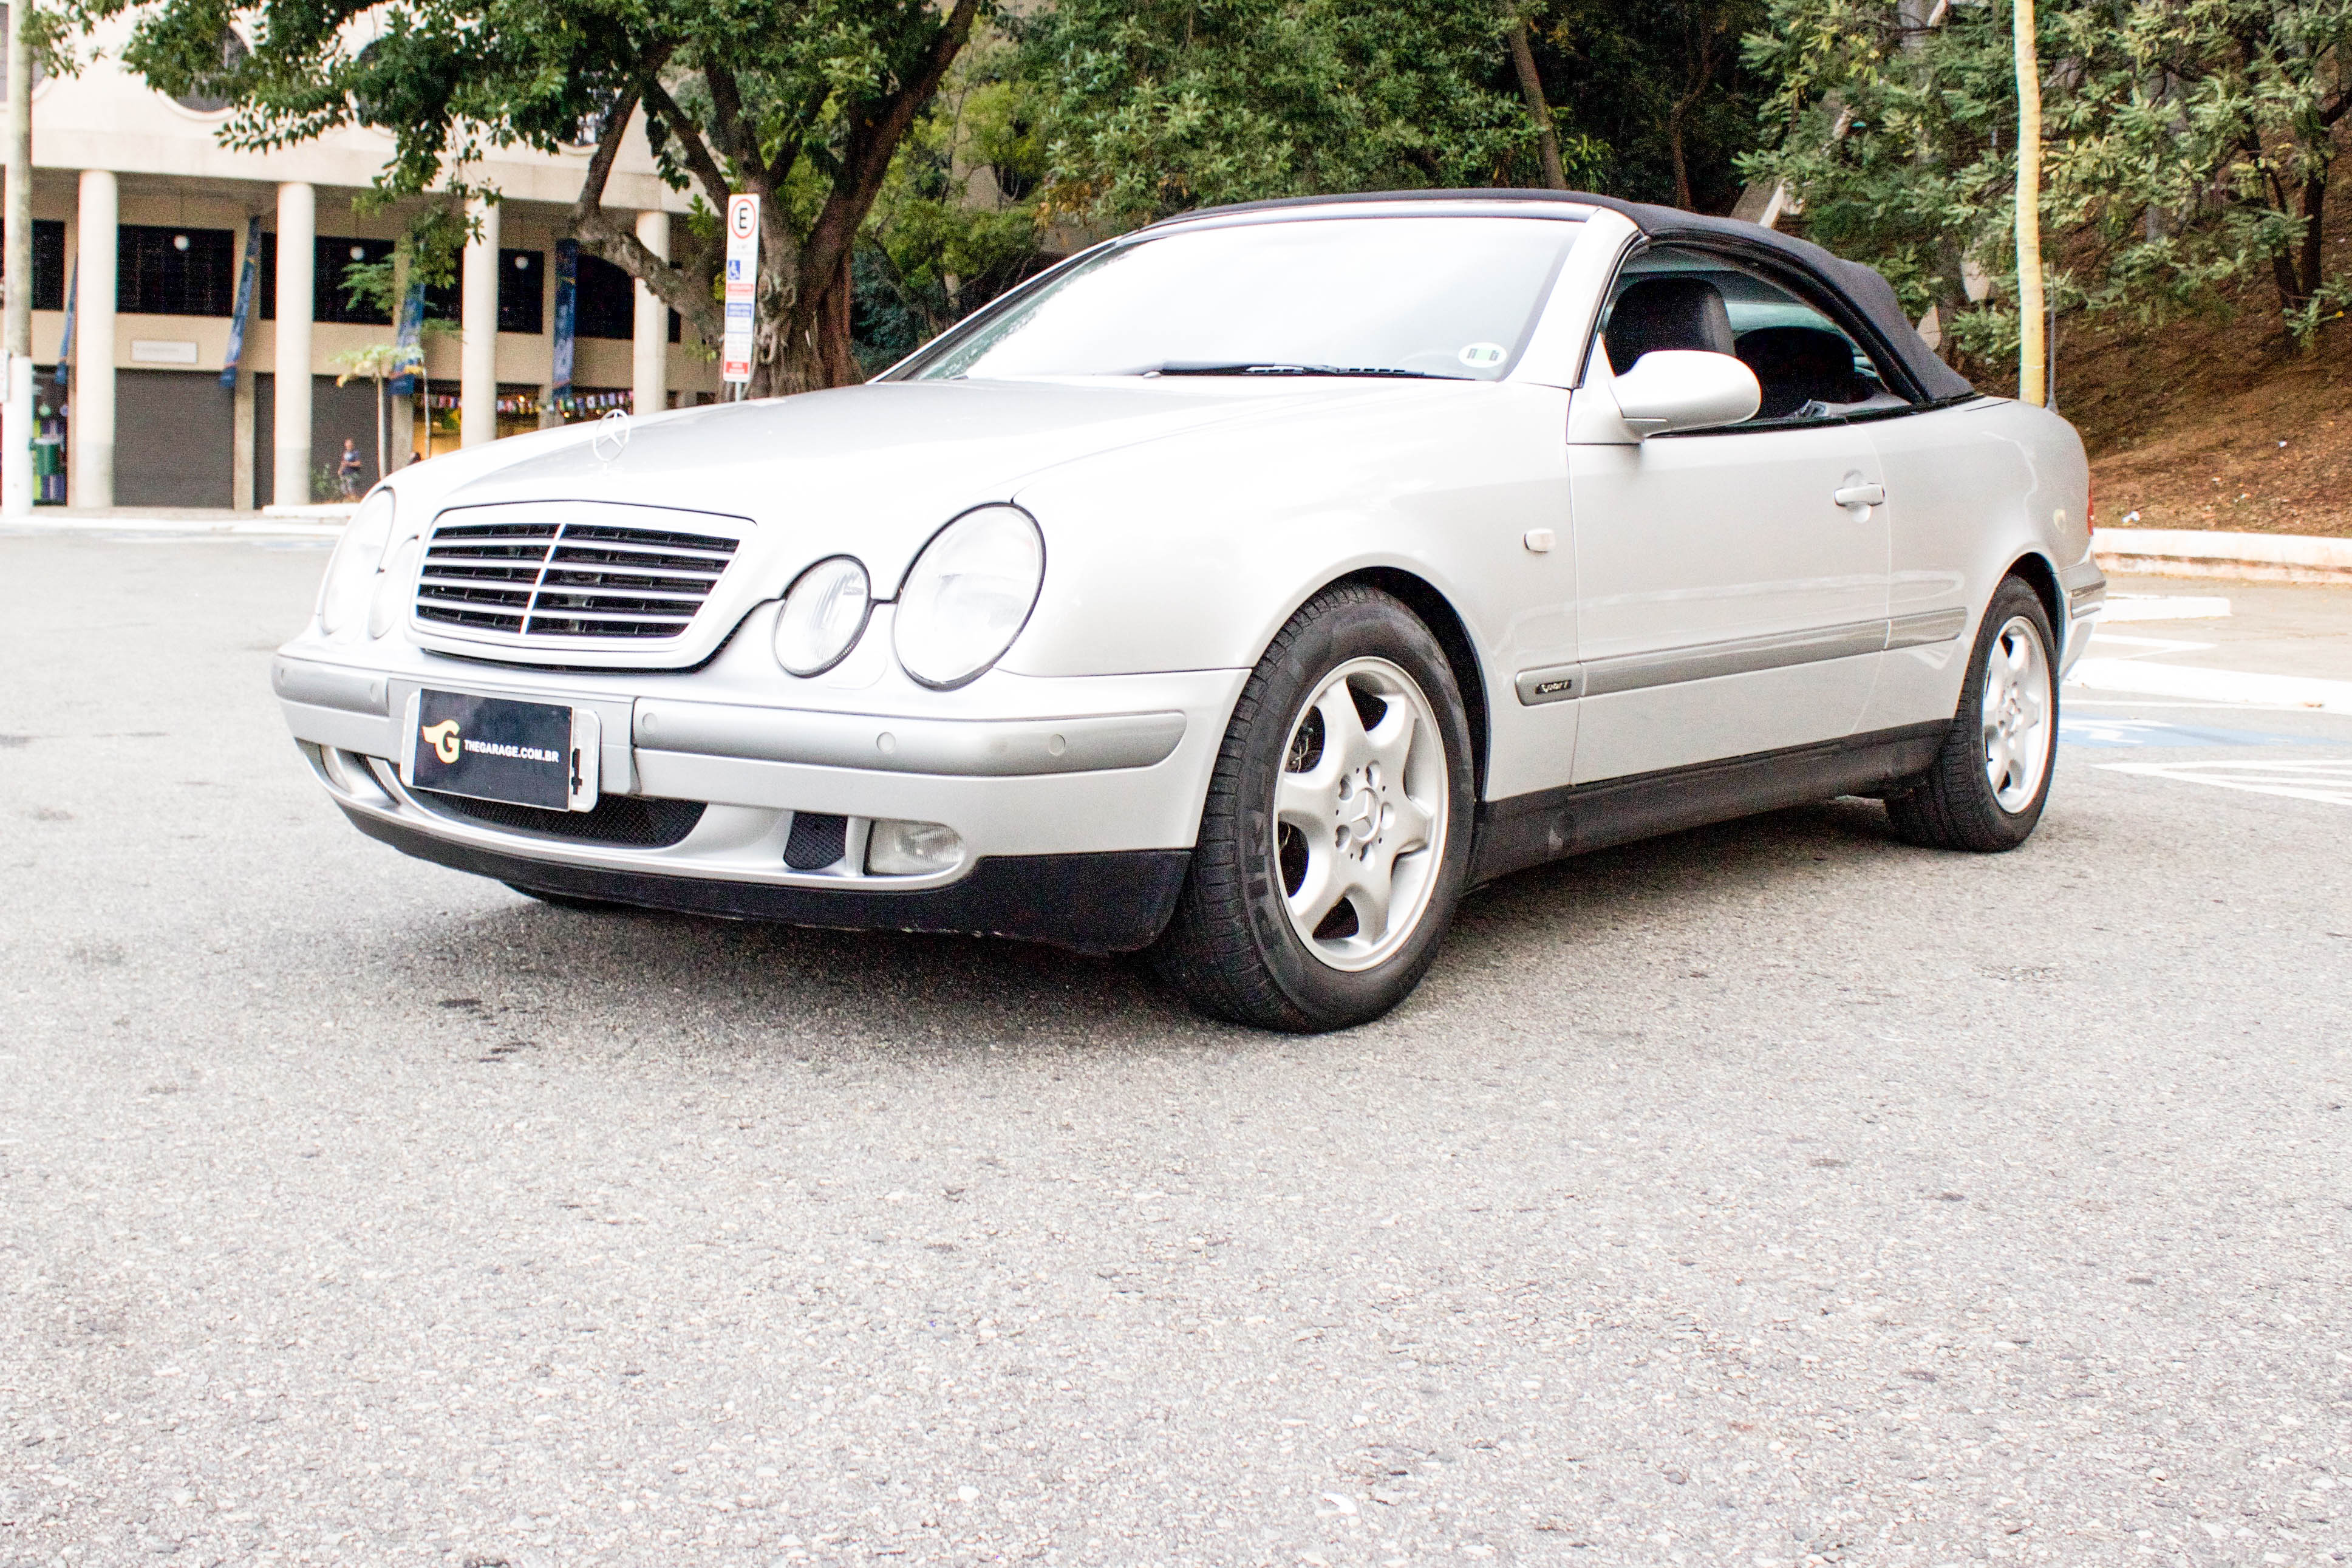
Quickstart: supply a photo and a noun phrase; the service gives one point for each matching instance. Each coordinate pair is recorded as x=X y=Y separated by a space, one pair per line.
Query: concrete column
x=649 y=345
x=298 y=234
x=90 y=433
x=16 y=420
x=478 y=363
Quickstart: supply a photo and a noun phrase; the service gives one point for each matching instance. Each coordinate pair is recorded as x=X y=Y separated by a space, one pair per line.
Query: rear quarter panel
x=1973 y=491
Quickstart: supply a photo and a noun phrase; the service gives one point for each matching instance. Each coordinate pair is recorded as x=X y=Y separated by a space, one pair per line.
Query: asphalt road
x=1767 y=1195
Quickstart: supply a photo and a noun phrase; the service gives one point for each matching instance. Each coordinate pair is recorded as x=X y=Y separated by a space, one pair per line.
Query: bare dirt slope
x=2214 y=423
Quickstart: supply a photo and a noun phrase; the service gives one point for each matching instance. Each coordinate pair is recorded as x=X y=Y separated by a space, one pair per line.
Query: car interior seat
x=1666 y=313
x=1797 y=365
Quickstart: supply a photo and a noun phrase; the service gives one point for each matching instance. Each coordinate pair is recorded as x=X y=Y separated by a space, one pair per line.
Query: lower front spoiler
x=1103 y=902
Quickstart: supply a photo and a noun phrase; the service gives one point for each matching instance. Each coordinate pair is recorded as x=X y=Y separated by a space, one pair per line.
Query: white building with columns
x=142 y=221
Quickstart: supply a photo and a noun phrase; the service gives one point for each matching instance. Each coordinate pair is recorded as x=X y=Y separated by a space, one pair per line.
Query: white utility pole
x=16 y=421
x=2032 y=356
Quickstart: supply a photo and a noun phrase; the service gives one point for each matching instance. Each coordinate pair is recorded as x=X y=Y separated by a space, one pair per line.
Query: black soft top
x=1860 y=287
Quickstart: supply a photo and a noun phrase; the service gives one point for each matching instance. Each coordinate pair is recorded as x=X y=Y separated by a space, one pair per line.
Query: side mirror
x=1685 y=389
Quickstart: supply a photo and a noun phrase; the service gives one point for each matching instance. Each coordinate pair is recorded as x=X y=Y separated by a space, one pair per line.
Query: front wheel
x=1987 y=787
x=1337 y=834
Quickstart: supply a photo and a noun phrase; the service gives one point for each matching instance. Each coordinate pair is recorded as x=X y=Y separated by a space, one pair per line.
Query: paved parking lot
x=1767 y=1195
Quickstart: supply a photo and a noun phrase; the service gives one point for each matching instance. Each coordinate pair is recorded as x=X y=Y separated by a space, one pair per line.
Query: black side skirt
x=1093 y=903
x=1529 y=829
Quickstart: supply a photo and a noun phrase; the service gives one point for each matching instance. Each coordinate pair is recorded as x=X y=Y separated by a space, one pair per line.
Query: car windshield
x=1444 y=297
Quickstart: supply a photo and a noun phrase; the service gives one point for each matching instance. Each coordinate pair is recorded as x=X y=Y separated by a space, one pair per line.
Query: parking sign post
x=742 y=276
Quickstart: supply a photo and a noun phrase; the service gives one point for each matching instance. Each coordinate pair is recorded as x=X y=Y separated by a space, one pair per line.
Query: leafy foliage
x=1659 y=93
x=2189 y=147
x=1161 y=105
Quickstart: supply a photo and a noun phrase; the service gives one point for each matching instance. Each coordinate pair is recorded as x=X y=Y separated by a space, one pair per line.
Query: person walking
x=347 y=472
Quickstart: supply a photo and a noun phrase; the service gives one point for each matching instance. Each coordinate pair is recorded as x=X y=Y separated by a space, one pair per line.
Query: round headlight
x=351 y=575
x=392 y=586
x=822 y=616
x=968 y=595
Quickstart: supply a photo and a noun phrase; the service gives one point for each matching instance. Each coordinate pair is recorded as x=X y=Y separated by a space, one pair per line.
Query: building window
x=174 y=271
x=210 y=97
x=605 y=303
x=329 y=299
x=48 y=253
x=522 y=292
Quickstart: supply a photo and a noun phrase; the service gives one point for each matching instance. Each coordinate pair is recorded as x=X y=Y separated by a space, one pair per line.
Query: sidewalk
x=325 y=521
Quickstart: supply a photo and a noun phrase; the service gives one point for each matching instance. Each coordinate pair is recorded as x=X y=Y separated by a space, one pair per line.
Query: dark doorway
x=174 y=438
x=337 y=413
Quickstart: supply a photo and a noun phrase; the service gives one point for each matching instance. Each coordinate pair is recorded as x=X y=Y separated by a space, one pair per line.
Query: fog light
x=911 y=848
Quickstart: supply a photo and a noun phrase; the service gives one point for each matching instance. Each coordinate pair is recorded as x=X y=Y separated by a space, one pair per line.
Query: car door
x=1732 y=594
x=1733 y=582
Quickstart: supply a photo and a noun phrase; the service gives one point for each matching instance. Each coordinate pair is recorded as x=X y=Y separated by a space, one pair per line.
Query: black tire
x=570 y=901
x=1955 y=805
x=1232 y=948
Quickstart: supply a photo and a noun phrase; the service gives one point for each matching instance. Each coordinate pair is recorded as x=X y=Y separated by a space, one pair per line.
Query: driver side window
x=1808 y=368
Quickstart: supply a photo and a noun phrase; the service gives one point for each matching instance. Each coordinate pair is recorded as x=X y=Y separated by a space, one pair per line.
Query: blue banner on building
x=567 y=301
x=247 y=277
x=408 y=339
x=65 y=343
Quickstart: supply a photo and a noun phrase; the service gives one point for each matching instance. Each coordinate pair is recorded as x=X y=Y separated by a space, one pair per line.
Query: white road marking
x=2162 y=607
x=2138 y=674
x=2329 y=782
x=2148 y=645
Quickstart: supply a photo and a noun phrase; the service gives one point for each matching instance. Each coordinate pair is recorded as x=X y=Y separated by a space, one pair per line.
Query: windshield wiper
x=1277 y=367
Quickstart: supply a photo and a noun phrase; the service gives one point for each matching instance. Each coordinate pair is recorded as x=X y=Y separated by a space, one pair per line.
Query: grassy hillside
x=2215 y=424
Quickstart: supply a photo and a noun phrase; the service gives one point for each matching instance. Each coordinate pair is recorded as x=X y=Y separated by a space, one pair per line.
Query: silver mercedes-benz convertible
x=1245 y=588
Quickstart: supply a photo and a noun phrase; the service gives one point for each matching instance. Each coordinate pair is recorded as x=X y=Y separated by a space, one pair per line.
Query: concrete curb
x=2248 y=557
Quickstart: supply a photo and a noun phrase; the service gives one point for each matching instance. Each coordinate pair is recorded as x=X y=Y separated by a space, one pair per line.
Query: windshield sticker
x=1483 y=356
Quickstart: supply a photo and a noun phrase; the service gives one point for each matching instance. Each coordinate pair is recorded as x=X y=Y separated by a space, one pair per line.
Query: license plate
x=495 y=748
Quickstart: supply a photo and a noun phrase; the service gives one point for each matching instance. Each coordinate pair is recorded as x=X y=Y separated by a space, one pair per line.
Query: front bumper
x=1077 y=801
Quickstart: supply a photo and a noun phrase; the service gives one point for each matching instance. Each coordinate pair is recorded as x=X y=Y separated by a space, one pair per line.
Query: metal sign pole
x=742 y=280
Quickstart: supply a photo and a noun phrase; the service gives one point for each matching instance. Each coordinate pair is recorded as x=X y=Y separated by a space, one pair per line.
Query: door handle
x=1851 y=496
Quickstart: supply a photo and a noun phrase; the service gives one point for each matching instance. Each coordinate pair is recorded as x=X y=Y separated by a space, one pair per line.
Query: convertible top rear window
x=1452 y=296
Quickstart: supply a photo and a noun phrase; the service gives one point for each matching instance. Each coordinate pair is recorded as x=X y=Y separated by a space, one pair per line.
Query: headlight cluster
x=367 y=573
x=822 y=616
x=966 y=597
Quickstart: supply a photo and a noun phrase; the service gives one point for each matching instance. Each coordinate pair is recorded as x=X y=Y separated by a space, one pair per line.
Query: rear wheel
x=1987 y=787
x=1337 y=834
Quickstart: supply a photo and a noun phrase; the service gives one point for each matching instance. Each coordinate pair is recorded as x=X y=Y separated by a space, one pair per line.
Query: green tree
x=956 y=222
x=1661 y=91
x=1155 y=106
x=803 y=103
x=2189 y=146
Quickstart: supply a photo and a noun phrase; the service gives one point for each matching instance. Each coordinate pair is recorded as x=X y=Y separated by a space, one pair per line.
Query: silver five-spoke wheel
x=2016 y=716
x=1361 y=814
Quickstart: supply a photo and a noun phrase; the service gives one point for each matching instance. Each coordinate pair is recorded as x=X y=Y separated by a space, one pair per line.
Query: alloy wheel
x=2016 y=718
x=1361 y=814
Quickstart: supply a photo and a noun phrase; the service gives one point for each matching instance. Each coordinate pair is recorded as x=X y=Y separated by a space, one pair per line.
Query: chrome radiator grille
x=568 y=580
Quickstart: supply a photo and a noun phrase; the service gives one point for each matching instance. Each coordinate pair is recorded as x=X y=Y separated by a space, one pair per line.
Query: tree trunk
x=815 y=348
x=1523 y=61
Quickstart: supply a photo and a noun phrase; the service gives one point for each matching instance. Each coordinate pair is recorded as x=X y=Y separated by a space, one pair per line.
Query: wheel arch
x=1444 y=623
x=2034 y=570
